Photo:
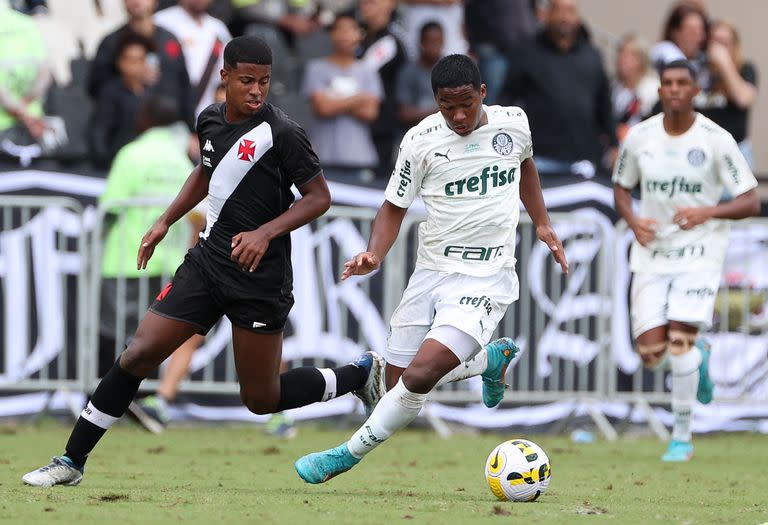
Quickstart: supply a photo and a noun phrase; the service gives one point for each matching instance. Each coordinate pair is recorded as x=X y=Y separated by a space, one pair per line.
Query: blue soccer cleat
x=500 y=353
x=319 y=467
x=678 y=451
x=705 y=391
x=374 y=387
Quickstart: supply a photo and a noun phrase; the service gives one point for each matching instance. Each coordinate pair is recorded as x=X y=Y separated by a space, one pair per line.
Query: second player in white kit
x=472 y=165
x=682 y=162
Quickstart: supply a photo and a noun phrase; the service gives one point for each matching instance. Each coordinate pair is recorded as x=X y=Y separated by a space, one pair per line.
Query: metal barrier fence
x=574 y=329
x=42 y=277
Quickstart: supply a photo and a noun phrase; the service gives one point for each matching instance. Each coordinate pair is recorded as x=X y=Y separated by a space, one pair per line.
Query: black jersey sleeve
x=298 y=160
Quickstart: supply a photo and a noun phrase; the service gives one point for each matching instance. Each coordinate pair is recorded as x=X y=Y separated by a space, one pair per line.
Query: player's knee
x=651 y=354
x=681 y=342
x=136 y=360
x=420 y=378
x=259 y=402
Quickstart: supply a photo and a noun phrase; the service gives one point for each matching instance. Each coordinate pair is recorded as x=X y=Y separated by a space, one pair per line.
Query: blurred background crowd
x=75 y=74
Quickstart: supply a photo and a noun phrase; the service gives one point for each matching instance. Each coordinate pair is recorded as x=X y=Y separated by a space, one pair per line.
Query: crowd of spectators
x=355 y=73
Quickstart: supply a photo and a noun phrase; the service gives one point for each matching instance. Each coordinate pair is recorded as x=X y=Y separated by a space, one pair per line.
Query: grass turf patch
x=237 y=474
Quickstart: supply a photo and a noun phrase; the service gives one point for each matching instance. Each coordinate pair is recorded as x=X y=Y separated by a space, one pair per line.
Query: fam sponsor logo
x=481 y=302
x=471 y=148
x=502 y=143
x=489 y=177
x=672 y=187
x=473 y=253
x=674 y=254
x=428 y=130
x=405 y=178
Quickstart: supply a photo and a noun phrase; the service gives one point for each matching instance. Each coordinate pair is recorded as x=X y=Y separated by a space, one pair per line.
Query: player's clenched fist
x=361 y=264
x=644 y=230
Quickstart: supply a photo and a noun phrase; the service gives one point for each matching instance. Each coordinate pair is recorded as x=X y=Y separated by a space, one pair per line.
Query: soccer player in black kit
x=252 y=154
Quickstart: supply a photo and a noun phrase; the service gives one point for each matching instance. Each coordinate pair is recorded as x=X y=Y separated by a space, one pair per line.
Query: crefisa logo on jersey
x=502 y=143
x=696 y=157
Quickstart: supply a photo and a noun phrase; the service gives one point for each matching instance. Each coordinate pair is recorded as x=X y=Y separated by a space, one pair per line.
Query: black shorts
x=198 y=296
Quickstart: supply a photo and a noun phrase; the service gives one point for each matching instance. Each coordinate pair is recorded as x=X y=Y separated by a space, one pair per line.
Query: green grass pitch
x=222 y=475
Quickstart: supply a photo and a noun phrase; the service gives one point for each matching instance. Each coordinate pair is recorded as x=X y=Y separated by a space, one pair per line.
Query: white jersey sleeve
x=527 y=152
x=732 y=167
x=405 y=182
x=626 y=173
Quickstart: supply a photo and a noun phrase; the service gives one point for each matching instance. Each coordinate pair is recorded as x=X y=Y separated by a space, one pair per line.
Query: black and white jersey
x=252 y=165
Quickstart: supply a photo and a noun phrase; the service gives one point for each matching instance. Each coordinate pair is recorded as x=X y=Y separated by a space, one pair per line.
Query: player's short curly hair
x=678 y=64
x=454 y=71
x=247 y=50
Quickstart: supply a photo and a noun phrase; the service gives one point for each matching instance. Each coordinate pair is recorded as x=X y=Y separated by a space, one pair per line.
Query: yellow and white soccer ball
x=518 y=470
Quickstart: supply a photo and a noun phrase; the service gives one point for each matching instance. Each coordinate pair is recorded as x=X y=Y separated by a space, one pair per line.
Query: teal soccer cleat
x=500 y=353
x=705 y=392
x=678 y=451
x=319 y=467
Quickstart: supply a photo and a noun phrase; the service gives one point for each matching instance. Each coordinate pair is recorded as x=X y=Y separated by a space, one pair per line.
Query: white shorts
x=657 y=299
x=474 y=305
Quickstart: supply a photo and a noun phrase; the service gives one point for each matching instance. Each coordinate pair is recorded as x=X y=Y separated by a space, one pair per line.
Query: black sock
x=306 y=385
x=110 y=400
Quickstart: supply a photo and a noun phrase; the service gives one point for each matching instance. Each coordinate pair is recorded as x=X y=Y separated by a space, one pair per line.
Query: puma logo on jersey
x=444 y=155
x=208 y=146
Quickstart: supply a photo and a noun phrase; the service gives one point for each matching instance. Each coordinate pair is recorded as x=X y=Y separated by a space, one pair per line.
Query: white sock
x=395 y=410
x=685 y=382
x=473 y=367
x=330 y=383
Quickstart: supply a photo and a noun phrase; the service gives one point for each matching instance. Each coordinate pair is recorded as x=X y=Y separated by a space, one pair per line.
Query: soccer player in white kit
x=472 y=165
x=682 y=162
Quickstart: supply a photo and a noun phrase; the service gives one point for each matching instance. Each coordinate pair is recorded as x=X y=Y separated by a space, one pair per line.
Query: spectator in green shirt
x=24 y=74
x=154 y=166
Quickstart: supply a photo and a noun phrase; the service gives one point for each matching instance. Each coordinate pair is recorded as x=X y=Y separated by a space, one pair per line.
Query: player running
x=682 y=161
x=472 y=165
x=252 y=154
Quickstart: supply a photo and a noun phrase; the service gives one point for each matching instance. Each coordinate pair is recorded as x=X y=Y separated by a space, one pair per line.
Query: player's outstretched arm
x=386 y=227
x=644 y=229
x=533 y=200
x=745 y=205
x=249 y=247
x=194 y=190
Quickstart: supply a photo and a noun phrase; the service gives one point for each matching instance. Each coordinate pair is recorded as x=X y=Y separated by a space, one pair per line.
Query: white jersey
x=200 y=40
x=470 y=186
x=689 y=170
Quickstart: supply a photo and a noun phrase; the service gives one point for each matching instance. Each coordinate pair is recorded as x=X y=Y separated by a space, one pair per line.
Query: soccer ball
x=518 y=470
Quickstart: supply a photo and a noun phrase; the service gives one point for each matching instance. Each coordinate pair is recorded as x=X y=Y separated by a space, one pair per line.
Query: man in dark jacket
x=167 y=71
x=382 y=51
x=559 y=78
x=494 y=29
